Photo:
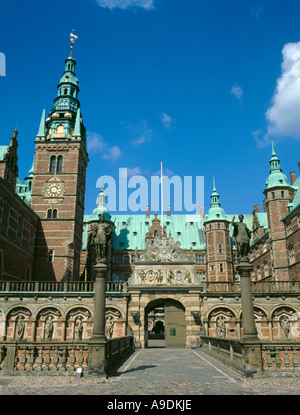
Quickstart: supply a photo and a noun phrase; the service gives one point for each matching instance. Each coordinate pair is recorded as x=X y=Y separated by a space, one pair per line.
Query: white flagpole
x=162 y=197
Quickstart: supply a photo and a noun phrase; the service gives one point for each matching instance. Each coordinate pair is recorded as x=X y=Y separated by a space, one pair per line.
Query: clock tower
x=58 y=186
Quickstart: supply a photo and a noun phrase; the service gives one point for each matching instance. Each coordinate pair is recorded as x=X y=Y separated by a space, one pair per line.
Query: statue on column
x=241 y=236
x=100 y=237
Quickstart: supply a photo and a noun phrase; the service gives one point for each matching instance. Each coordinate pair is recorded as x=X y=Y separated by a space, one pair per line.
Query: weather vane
x=73 y=37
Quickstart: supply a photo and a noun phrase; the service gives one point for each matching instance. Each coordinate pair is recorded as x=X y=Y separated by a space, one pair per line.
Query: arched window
x=52 y=164
x=60 y=129
x=59 y=164
x=54 y=214
x=49 y=214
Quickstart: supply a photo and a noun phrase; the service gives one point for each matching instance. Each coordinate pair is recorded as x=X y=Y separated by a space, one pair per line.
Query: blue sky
x=204 y=86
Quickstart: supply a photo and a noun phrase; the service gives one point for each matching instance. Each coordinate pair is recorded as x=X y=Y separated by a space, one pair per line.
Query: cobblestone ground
x=158 y=372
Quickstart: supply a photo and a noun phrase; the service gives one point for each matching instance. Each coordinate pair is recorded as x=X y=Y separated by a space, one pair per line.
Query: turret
x=278 y=194
x=218 y=243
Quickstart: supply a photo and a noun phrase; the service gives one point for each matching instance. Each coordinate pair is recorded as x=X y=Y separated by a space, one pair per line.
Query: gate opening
x=165 y=324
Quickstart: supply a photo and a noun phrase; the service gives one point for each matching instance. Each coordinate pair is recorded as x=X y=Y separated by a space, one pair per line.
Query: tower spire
x=42 y=129
x=73 y=37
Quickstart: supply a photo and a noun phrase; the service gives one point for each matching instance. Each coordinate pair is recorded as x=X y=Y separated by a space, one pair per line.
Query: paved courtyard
x=155 y=372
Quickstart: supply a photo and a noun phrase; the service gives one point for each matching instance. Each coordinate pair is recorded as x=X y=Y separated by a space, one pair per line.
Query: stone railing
x=59 y=287
x=257 y=287
x=121 y=287
x=281 y=358
x=278 y=358
x=57 y=358
x=228 y=351
x=118 y=349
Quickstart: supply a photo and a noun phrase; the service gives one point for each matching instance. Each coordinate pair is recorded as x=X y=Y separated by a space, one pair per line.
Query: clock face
x=53 y=190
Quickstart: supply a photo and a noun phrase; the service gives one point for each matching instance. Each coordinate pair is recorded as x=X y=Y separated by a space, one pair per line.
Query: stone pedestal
x=252 y=357
x=97 y=344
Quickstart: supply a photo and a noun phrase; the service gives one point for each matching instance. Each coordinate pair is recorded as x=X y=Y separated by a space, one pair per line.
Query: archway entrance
x=165 y=324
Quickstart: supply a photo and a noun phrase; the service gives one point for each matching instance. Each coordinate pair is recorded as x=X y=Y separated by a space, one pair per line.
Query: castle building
x=44 y=233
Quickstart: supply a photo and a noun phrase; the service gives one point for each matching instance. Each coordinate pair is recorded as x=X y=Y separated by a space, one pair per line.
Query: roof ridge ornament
x=73 y=37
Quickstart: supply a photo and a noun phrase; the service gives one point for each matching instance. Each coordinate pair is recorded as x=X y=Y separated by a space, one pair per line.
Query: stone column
x=252 y=354
x=250 y=332
x=97 y=344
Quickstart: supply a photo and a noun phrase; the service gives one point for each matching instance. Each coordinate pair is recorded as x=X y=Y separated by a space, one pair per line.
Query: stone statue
x=220 y=327
x=285 y=326
x=20 y=328
x=78 y=328
x=49 y=328
x=100 y=237
x=241 y=236
x=109 y=327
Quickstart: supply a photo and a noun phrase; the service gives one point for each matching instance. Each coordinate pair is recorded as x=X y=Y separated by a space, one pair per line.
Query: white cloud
x=257 y=10
x=126 y=4
x=262 y=140
x=237 y=91
x=167 y=120
x=112 y=153
x=283 y=115
x=166 y=172
x=141 y=132
x=97 y=145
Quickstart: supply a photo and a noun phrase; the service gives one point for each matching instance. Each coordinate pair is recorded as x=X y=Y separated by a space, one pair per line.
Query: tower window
x=282 y=194
x=219 y=226
x=273 y=195
x=65 y=91
x=221 y=267
x=52 y=214
x=220 y=249
x=59 y=164
x=52 y=164
x=50 y=255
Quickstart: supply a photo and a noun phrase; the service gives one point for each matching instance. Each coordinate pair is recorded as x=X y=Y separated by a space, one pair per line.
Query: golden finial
x=73 y=37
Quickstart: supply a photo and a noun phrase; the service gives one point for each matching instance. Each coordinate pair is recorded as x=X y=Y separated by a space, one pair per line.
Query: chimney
x=148 y=211
x=293 y=176
x=201 y=211
x=256 y=208
x=168 y=211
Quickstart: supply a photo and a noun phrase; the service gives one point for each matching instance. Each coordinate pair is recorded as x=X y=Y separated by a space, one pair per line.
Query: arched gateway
x=165 y=324
x=164 y=293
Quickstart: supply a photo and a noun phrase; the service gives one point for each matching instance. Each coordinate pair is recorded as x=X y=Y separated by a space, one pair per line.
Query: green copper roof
x=215 y=212
x=130 y=230
x=77 y=129
x=295 y=203
x=64 y=121
x=42 y=128
x=276 y=177
x=3 y=151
